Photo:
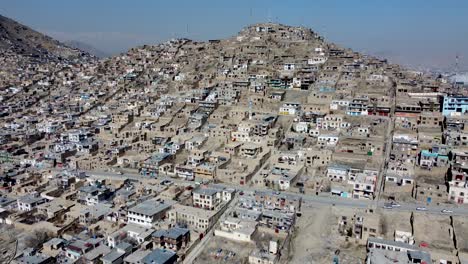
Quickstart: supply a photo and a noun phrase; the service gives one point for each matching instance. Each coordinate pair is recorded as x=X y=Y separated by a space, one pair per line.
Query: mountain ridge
x=23 y=40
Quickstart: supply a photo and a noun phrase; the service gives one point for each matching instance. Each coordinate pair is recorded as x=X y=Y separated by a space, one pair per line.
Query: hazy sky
x=417 y=32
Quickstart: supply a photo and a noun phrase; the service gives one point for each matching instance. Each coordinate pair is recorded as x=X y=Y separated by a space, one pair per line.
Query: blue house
x=455 y=104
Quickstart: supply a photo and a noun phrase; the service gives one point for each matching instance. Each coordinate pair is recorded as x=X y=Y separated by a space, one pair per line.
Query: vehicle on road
x=446 y=211
x=395 y=204
x=421 y=209
x=387 y=206
x=167 y=182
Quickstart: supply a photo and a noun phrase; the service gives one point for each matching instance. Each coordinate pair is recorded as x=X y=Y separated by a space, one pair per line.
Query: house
x=33 y=257
x=332 y=122
x=236 y=229
x=151 y=166
x=277 y=220
x=173 y=238
x=337 y=172
x=261 y=256
x=205 y=171
x=428 y=159
x=94 y=256
x=317 y=60
x=277 y=95
x=250 y=150
x=245 y=131
x=160 y=256
x=366 y=226
x=278 y=201
x=388 y=252
x=289 y=66
x=193 y=217
x=185 y=172
x=301 y=127
x=53 y=247
x=94 y=194
x=357 y=107
x=290 y=108
x=430 y=119
x=29 y=202
x=364 y=183
x=233 y=148
x=327 y=140
x=137 y=233
x=117 y=254
x=197 y=157
x=195 y=142
x=454 y=104
x=93 y=214
x=148 y=212
x=79 y=248
x=206 y=198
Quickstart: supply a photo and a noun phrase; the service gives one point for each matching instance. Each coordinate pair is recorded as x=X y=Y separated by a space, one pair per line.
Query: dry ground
x=316 y=239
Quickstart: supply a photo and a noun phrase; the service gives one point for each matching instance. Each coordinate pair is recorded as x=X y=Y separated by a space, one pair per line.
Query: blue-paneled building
x=454 y=104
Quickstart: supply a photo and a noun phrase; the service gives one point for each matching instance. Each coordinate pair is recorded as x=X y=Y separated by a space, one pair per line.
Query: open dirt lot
x=316 y=239
x=221 y=250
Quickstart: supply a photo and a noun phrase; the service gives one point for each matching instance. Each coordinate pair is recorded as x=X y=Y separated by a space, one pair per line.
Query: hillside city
x=271 y=146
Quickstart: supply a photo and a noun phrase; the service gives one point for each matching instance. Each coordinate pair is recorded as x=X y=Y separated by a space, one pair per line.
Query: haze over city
x=227 y=132
x=422 y=34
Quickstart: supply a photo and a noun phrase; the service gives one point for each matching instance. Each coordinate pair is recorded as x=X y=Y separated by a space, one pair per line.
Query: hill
x=22 y=40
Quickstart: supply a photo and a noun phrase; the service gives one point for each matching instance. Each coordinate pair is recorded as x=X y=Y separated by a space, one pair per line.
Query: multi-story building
x=206 y=198
x=454 y=104
x=148 y=212
x=191 y=216
x=29 y=202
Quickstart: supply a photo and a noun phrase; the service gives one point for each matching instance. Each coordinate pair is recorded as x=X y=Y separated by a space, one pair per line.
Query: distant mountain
x=22 y=40
x=87 y=48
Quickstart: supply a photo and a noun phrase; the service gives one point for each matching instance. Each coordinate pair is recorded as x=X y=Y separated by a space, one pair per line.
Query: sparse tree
x=37 y=238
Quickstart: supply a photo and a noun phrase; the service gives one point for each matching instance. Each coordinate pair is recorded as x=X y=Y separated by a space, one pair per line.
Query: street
x=307 y=198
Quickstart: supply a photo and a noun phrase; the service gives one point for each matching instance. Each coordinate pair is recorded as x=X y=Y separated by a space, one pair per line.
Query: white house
x=29 y=202
x=317 y=60
x=337 y=172
x=327 y=140
x=237 y=229
x=290 y=109
x=289 y=66
x=301 y=127
x=148 y=212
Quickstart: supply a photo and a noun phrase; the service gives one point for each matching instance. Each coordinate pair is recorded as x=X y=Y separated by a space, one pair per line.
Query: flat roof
x=206 y=191
x=159 y=256
x=151 y=207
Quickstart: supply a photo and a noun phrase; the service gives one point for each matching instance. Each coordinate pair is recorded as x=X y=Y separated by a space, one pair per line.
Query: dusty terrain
x=316 y=239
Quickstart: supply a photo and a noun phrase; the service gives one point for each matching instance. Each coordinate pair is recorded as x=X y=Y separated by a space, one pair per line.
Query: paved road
x=308 y=199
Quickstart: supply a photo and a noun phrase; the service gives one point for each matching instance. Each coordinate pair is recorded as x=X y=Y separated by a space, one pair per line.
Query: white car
x=388 y=206
x=421 y=209
x=446 y=211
